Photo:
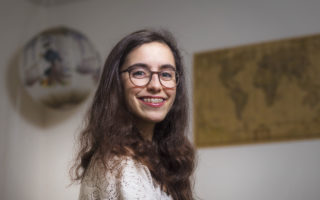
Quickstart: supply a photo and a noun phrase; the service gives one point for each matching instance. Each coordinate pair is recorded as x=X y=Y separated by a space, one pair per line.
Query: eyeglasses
x=142 y=75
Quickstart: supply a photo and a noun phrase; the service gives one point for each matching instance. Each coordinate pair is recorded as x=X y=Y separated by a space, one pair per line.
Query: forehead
x=154 y=55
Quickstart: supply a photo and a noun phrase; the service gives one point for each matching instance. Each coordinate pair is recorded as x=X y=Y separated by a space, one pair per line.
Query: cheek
x=172 y=94
x=130 y=98
x=128 y=93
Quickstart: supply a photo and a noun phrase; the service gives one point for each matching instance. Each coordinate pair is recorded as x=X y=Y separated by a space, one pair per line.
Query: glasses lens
x=168 y=78
x=139 y=76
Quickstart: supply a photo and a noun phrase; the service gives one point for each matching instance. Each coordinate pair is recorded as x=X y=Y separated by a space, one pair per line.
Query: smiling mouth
x=153 y=101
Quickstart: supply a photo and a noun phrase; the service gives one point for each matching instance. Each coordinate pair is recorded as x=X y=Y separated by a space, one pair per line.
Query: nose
x=154 y=84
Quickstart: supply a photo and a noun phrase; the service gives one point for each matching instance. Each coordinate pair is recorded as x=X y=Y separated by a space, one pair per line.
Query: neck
x=146 y=129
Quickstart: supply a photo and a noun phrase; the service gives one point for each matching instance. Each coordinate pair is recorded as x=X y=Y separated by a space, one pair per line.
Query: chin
x=154 y=119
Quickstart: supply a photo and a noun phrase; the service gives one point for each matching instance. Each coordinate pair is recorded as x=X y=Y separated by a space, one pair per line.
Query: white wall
x=20 y=137
x=37 y=144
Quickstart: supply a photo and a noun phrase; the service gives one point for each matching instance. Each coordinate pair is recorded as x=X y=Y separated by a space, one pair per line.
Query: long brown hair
x=110 y=130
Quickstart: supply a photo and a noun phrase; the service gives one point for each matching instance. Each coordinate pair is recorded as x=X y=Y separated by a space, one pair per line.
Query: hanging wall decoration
x=258 y=93
x=59 y=67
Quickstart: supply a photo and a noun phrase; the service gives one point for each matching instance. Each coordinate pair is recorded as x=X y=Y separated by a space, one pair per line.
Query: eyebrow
x=165 y=66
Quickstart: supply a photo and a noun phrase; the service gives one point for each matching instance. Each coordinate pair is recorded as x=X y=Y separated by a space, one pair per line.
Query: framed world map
x=257 y=93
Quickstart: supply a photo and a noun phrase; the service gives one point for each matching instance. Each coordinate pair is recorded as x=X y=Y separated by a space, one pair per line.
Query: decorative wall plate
x=59 y=67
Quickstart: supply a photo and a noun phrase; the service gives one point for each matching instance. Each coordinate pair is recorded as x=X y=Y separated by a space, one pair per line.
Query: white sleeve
x=136 y=182
x=132 y=181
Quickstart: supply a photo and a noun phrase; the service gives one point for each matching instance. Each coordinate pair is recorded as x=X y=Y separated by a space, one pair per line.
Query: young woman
x=134 y=145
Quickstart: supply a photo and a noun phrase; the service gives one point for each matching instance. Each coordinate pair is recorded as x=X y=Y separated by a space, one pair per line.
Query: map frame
x=220 y=100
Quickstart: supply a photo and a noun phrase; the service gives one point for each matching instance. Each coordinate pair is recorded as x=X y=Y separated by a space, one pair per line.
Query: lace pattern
x=130 y=181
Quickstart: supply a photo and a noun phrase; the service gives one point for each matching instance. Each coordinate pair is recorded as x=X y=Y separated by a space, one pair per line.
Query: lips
x=152 y=101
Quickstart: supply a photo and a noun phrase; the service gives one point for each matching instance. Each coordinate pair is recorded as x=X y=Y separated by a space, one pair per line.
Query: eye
x=167 y=75
x=139 y=73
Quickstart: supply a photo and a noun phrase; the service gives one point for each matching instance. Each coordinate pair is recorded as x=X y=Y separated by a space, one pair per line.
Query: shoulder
x=129 y=179
x=130 y=168
x=134 y=177
x=136 y=182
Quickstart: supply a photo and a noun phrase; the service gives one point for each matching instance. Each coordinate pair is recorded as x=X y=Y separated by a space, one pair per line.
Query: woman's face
x=152 y=102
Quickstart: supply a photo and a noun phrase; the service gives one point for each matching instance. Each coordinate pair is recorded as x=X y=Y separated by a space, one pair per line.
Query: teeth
x=152 y=100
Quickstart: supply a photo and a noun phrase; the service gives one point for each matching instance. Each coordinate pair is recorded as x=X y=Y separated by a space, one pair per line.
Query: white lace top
x=132 y=181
